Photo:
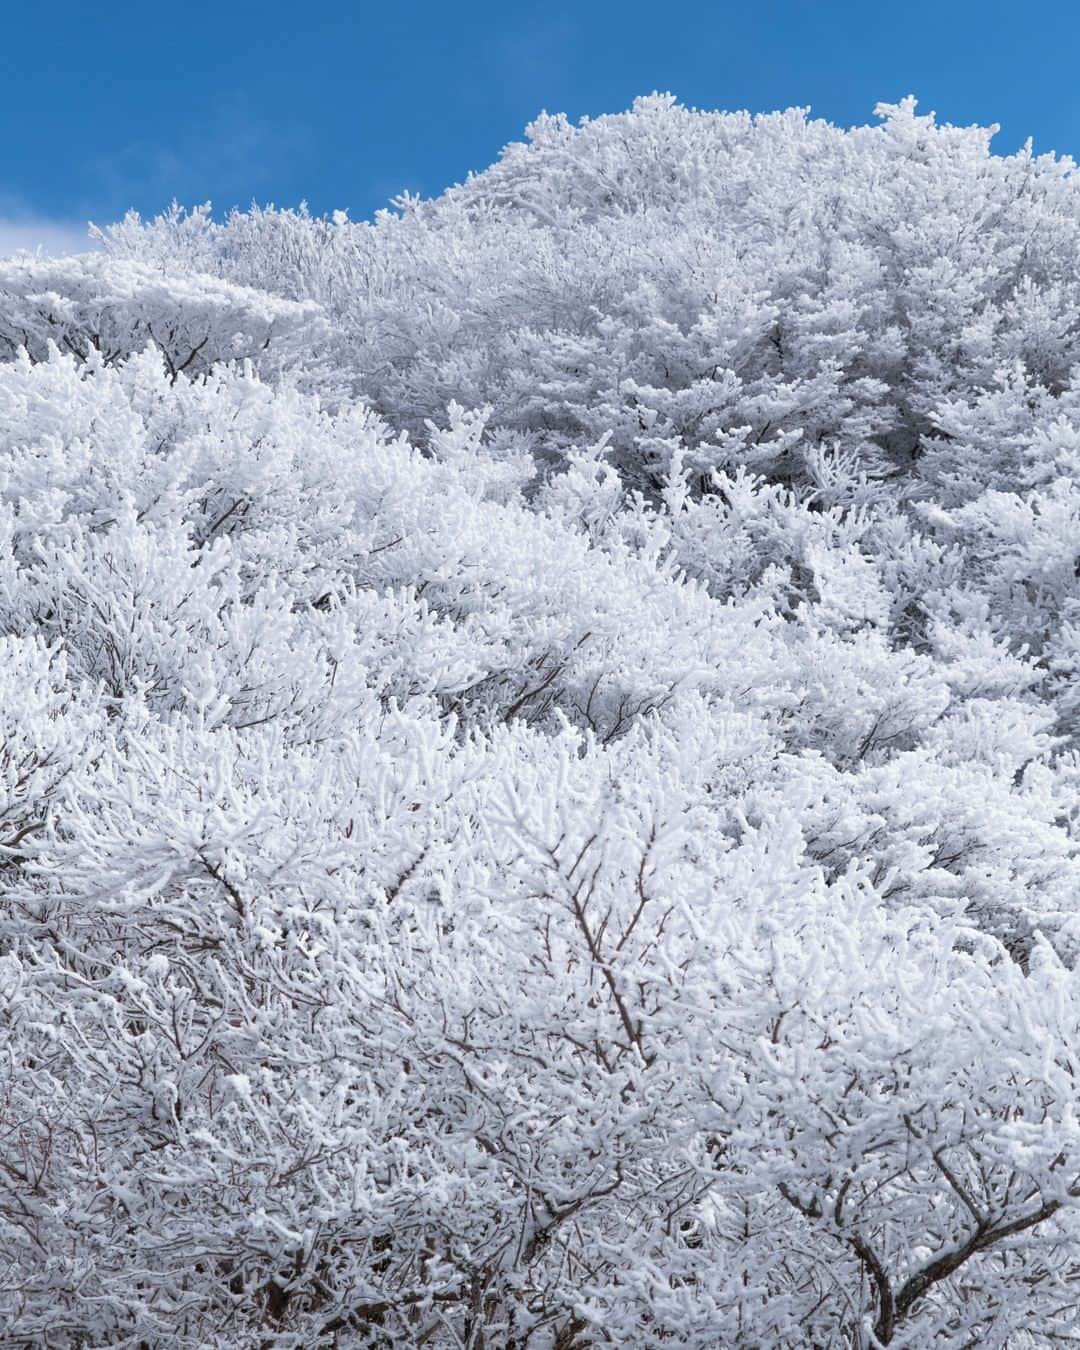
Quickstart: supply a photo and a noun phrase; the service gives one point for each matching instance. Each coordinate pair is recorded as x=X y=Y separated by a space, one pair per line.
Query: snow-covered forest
x=540 y=756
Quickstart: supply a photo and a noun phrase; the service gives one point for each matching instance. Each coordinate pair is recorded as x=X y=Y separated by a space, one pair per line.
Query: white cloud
x=53 y=236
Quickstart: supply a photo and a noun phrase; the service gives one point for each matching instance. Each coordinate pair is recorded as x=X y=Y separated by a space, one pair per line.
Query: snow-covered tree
x=92 y=303
x=539 y=756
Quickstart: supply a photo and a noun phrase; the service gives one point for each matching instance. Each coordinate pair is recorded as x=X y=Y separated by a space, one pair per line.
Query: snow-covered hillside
x=540 y=756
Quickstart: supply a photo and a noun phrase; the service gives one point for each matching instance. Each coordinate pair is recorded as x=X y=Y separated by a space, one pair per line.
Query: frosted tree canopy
x=540 y=756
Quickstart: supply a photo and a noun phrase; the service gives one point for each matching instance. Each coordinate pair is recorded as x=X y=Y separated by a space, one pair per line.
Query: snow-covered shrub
x=539 y=763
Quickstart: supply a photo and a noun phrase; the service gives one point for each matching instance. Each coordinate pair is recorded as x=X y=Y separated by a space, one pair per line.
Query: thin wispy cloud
x=532 y=53
x=54 y=237
x=238 y=154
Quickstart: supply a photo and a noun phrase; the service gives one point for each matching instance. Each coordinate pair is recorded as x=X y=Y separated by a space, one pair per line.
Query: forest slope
x=539 y=767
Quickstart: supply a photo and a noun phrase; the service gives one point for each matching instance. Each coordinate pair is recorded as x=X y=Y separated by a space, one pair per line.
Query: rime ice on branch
x=539 y=777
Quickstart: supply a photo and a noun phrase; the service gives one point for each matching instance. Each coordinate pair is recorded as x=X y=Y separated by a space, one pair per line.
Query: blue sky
x=345 y=104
